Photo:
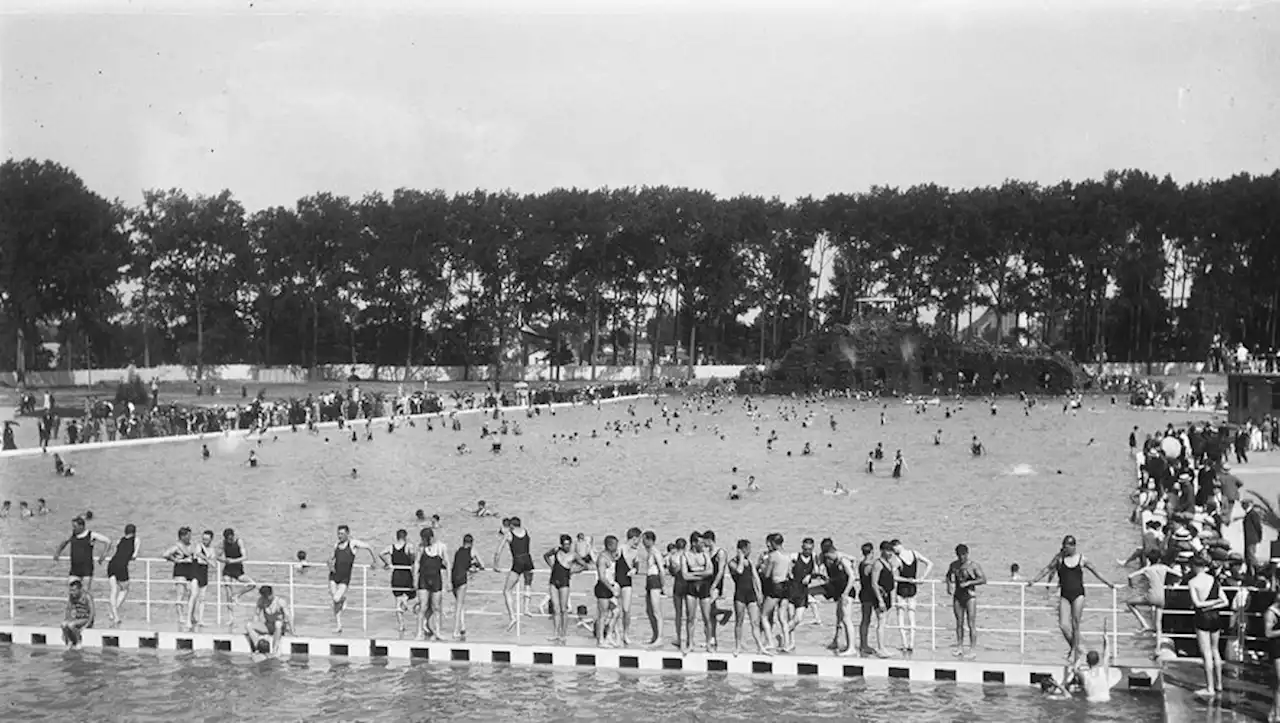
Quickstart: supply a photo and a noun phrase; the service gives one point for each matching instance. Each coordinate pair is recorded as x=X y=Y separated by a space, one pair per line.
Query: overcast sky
x=830 y=97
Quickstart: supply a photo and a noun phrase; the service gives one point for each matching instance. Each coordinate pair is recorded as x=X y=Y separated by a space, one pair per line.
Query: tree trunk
x=655 y=341
x=595 y=334
x=315 y=337
x=693 y=344
x=199 y=340
x=408 y=352
x=616 y=335
x=635 y=333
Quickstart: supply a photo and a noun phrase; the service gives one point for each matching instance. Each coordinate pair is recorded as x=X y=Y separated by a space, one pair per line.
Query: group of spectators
x=107 y=420
x=1195 y=522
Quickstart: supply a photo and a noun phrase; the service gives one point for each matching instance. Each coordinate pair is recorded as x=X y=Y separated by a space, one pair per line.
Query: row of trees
x=1129 y=267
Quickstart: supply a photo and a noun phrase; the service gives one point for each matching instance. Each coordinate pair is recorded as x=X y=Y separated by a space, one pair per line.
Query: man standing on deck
x=341 y=563
x=82 y=542
x=907 y=576
x=1252 y=535
x=517 y=539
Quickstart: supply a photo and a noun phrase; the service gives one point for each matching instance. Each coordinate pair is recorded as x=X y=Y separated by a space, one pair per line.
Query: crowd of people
x=105 y=420
x=1208 y=595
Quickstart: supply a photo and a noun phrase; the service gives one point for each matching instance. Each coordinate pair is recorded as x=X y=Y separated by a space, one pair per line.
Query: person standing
x=1206 y=601
x=517 y=539
x=464 y=561
x=1252 y=536
x=432 y=561
x=907 y=576
x=182 y=555
x=126 y=551
x=746 y=598
x=341 y=563
x=1069 y=566
x=232 y=553
x=963 y=578
x=82 y=541
x=838 y=588
x=649 y=567
x=399 y=557
x=1148 y=584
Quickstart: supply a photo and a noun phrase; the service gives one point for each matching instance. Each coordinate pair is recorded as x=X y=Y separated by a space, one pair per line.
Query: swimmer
x=302 y=565
x=253 y=458
x=58 y=465
x=937 y=438
x=733 y=493
x=976 y=448
x=24 y=511
x=871 y=462
x=899 y=465
x=204 y=452
x=584 y=548
x=483 y=510
x=839 y=489
x=751 y=484
x=42 y=508
x=82 y=542
x=516 y=538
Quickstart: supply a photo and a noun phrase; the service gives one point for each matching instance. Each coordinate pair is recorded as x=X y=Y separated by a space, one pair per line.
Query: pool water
x=136 y=686
x=1044 y=475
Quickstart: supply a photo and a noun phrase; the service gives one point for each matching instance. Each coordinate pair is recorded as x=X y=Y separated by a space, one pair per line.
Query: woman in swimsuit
x=564 y=562
x=746 y=598
x=431 y=566
x=1271 y=630
x=1069 y=566
x=1207 y=600
x=679 y=587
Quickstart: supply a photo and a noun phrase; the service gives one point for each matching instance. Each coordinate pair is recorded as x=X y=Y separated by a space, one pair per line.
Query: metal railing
x=1007 y=609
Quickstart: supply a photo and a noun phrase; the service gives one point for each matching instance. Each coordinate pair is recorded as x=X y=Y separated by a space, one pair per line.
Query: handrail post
x=519 y=597
x=292 y=614
x=933 y=615
x=13 y=601
x=1115 y=620
x=217 y=595
x=147 y=584
x=1022 y=620
x=364 y=599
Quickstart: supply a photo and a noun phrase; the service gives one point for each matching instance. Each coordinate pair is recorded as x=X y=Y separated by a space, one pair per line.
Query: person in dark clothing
x=1252 y=536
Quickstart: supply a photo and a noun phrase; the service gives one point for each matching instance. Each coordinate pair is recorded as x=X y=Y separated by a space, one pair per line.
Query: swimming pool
x=1011 y=505
x=57 y=685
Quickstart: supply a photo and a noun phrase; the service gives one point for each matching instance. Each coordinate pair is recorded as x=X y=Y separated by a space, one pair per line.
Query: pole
x=1115 y=619
x=364 y=598
x=1022 y=620
x=519 y=597
x=933 y=616
x=147 y=583
x=217 y=568
x=291 y=596
x=13 y=602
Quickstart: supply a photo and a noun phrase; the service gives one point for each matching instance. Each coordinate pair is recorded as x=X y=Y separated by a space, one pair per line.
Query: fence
x=1008 y=611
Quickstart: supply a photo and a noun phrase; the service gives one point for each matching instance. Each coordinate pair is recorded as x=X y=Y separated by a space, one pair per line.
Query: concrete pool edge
x=579 y=658
x=144 y=441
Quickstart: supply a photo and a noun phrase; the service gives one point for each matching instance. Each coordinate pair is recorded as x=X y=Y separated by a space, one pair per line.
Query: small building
x=1252 y=396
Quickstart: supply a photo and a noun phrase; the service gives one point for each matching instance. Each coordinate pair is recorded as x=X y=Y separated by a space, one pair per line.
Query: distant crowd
x=104 y=420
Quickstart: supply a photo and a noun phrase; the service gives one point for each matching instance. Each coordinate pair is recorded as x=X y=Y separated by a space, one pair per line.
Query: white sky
x=815 y=98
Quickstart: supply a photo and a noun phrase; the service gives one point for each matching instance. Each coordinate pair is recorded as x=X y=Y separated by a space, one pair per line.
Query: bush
x=133 y=390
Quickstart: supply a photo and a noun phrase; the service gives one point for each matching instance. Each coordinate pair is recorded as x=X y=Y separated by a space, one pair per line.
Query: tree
x=62 y=250
x=192 y=247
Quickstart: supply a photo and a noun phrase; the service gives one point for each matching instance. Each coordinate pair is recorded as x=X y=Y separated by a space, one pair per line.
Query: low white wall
x=340 y=372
